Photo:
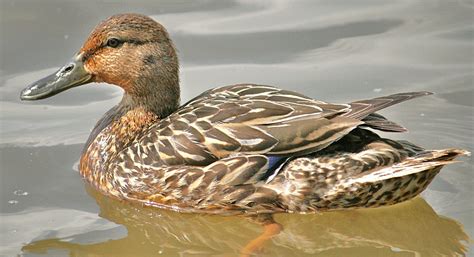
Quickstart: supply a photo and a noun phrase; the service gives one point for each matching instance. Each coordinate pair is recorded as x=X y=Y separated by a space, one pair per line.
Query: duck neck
x=161 y=102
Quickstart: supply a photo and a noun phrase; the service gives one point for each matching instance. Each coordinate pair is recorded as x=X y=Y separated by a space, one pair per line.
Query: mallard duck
x=242 y=148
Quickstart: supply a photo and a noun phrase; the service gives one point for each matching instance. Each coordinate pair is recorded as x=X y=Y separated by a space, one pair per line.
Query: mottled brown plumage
x=236 y=149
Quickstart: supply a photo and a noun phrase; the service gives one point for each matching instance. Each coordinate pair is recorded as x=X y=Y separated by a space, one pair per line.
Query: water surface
x=331 y=50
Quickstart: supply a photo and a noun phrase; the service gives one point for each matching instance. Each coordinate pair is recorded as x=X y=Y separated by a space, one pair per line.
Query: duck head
x=131 y=51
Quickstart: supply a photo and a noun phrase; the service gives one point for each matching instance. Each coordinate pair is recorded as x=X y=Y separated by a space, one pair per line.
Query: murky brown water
x=331 y=50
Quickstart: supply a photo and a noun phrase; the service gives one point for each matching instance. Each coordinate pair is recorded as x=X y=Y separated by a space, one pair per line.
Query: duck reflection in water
x=411 y=228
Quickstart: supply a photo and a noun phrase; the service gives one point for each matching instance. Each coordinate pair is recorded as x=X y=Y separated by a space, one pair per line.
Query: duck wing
x=256 y=119
x=251 y=119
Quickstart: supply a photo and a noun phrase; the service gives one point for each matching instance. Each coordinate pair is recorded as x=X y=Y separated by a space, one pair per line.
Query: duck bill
x=70 y=75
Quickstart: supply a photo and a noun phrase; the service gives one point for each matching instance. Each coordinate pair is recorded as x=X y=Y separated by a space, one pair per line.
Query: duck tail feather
x=394 y=184
x=421 y=162
x=363 y=108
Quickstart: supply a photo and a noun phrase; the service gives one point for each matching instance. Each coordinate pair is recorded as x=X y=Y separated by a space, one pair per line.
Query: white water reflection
x=37 y=224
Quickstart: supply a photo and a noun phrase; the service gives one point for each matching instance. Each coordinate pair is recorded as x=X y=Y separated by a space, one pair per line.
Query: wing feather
x=252 y=119
x=259 y=119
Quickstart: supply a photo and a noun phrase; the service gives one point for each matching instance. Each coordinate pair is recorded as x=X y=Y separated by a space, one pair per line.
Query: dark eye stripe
x=137 y=42
x=91 y=52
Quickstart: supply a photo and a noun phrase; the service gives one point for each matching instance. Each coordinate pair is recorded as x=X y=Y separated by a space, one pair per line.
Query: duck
x=237 y=149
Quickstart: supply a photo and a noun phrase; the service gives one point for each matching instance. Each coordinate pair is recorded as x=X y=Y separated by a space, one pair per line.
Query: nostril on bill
x=69 y=68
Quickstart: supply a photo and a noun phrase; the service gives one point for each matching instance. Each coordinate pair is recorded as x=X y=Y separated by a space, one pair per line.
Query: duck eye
x=113 y=42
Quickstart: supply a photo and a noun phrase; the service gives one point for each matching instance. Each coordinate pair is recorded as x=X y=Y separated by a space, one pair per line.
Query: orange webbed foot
x=270 y=229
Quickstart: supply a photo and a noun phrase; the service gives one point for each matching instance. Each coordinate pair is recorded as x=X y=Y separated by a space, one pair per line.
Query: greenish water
x=330 y=50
